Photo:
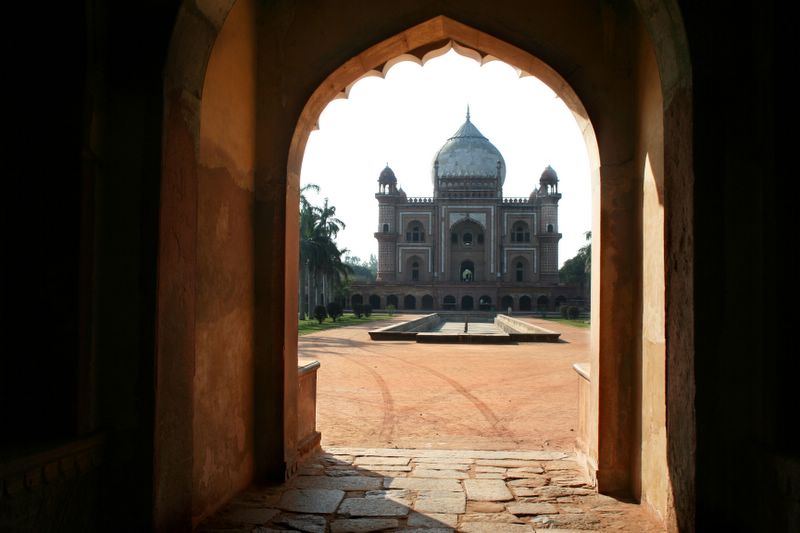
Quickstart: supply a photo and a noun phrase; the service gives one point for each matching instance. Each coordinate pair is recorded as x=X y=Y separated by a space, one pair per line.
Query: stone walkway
x=432 y=491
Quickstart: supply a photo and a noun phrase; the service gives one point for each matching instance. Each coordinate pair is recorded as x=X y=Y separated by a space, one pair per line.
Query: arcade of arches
x=151 y=354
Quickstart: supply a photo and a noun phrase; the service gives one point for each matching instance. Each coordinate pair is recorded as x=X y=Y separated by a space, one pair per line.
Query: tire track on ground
x=497 y=426
x=389 y=422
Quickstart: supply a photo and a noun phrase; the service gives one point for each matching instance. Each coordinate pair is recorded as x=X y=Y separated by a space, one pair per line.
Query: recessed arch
x=196 y=31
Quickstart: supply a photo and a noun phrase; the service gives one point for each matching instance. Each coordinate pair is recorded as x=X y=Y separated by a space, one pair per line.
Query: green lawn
x=304 y=327
x=577 y=323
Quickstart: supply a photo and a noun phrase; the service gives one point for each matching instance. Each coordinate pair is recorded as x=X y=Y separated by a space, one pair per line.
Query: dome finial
x=467 y=112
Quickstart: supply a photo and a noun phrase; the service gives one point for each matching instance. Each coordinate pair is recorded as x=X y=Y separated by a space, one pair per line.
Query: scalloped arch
x=420 y=44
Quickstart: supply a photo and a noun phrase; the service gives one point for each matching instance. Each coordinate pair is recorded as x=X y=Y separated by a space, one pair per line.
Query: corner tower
x=547 y=196
x=388 y=197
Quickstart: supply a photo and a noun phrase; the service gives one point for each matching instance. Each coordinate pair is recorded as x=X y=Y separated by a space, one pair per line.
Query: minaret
x=388 y=196
x=547 y=231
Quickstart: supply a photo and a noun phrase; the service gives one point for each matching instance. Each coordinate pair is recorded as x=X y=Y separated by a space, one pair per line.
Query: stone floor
x=432 y=491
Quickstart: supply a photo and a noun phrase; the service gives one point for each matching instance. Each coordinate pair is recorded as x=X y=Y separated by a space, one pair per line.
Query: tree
x=578 y=270
x=362 y=270
x=334 y=310
x=321 y=265
x=320 y=313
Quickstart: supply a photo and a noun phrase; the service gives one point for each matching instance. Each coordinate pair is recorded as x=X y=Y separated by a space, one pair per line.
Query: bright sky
x=404 y=118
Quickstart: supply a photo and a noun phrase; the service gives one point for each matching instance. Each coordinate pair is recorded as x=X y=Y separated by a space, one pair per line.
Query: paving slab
x=345 y=483
x=439 y=474
x=508 y=463
x=527 y=508
x=420 y=483
x=398 y=495
x=426 y=530
x=443 y=502
x=485 y=507
x=372 y=507
x=381 y=461
x=362 y=525
x=524 y=471
x=494 y=527
x=250 y=515
x=530 y=482
x=386 y=468
x=535 y=455
x=442 y=466
x=501 y=517
x=320 y=501
x=342 y=473
x=551 y=491
x=308 y=523
x=489 y=490
x=460 y=461
x=432 y=520
x=490 y=469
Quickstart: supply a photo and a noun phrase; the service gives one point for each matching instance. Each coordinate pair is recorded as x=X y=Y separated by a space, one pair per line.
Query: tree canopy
x=578 y=270
x=322 y=269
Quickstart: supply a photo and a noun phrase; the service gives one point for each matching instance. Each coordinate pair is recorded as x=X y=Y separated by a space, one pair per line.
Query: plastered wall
x=223 y=383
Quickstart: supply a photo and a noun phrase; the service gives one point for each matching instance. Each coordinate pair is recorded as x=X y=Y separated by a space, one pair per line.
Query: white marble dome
x=469 y=154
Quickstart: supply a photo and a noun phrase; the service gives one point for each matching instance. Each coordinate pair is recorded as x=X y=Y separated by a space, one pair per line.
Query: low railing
x=582 y=446
x=515 y=200
x=308 y=437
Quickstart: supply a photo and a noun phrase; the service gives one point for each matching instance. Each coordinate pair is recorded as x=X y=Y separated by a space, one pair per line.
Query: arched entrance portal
x=542 y=302
x=356 y=299
x=485 y=303
x=391 y=300
x=449 y=303
x=427 y=302
x=506 y=303
x=467 y=303
x=525 y=303
x=203 y=104
x=409 y=302
x=375 y=301
x=467 y=271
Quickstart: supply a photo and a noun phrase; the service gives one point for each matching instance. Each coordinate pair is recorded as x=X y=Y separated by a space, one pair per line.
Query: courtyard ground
x=476 y=397
x=423 y=438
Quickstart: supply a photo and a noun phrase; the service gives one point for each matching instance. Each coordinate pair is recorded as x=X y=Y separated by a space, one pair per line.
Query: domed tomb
x=468 y=161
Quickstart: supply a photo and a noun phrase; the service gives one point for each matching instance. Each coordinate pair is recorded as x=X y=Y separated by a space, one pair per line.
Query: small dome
x=387 y=175
x=469 y=154
x=549 y=176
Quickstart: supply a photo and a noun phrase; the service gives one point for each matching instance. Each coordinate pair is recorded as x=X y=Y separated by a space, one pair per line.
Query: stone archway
x=661 y=87
x=467 y=303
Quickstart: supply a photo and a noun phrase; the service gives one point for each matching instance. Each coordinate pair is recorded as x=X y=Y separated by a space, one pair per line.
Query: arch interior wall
x=128 y=125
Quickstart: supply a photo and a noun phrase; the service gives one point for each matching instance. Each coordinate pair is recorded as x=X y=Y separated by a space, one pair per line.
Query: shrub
x=564 y=311
x=391 y=309
x=358 y=310
x=367 y=308
x=334 y=310
x=573 y=312
x=319 y=313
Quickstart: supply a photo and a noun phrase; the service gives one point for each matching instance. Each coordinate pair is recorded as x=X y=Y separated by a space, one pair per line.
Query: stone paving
x=432 y=491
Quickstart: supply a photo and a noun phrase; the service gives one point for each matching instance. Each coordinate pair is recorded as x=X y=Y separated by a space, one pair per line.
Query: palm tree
x=320 y=258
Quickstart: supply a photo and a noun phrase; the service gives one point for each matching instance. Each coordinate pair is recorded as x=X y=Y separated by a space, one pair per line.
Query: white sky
x=404 y=118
